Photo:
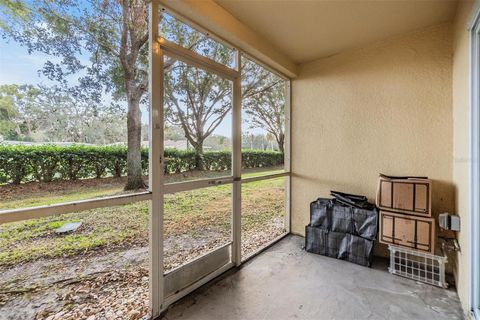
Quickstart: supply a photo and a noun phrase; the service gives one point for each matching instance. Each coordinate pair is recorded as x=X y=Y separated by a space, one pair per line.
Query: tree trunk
x=18 y=131
x=281 y=142
x=199 y=160
x=134 y=137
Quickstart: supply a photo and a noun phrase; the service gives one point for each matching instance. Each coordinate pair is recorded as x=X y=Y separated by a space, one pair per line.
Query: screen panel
x=198 y=126
x=263 y=213
x=182 y=34
x=70 y=258
x=263 y=120
x=196 y=222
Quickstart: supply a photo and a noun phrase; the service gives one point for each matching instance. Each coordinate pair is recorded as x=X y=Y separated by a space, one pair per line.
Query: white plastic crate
x=417 y=265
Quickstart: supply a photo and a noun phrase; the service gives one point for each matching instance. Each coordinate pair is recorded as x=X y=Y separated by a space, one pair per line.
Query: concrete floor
x=285 y=282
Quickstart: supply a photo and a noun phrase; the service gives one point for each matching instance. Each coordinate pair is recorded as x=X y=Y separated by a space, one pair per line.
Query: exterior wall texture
x=461 y=149
x=384 y=108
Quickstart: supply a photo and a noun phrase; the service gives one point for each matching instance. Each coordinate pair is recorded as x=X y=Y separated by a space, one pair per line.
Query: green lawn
x=40 y=194
x=194 y=222
x=68 y=196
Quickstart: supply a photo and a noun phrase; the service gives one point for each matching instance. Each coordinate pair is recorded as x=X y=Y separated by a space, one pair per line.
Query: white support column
x=237 y=167
x=156 y=164
x=287 y=153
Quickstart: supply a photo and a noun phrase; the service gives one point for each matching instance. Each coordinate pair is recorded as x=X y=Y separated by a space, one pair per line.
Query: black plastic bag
x=331 y=215
x=343 y=246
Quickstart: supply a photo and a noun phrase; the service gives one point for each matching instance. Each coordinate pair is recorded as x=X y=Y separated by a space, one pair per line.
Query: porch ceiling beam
x=213 y=17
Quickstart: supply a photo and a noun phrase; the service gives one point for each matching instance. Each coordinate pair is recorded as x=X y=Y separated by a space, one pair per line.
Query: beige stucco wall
x=386 y=107
x=461 y=127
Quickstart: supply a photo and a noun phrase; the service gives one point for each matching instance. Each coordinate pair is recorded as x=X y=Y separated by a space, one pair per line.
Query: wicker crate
x=417 y=265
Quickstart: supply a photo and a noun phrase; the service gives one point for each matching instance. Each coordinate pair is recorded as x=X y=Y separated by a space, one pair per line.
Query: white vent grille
x=419 y=266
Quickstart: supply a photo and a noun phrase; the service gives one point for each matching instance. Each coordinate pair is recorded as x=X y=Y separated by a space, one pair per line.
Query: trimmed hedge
x=51 y=162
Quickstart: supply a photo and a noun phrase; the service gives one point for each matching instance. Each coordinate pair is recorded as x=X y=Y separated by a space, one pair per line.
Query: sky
x=17 y=66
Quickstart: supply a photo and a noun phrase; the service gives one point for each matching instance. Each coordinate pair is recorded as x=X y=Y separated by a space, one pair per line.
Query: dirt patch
x=103 y=284
x=118 y=294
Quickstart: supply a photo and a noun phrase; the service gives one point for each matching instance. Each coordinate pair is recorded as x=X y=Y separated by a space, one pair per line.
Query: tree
x=265 y=104
x=217 y=142
x=49 y=114
x=7 y=113
x=198 y=101
x=103 y=42
x=18 y=105
x=62 y=118
x=174 y=133
x=267 y=111
x=195 y=100
x=264 y=100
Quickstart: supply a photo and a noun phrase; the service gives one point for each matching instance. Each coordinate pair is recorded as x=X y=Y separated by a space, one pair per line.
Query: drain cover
x=68 y=227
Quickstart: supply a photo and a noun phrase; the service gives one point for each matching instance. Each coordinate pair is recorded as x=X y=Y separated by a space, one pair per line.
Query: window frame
x=474 y=272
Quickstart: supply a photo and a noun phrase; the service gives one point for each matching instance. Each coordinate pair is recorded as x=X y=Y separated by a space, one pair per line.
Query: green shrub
x=217 y=160
x=48 y=162
x=177 y=161
x=98 y=163
x=75 y=162
x=144 y=155
x=261 y=159
x=14 y=165
x=116 y=160
x=44 y=161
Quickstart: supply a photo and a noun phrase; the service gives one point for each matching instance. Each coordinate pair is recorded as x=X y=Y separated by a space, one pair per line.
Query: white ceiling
x=308 y=30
